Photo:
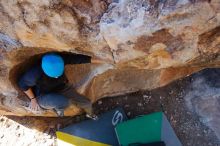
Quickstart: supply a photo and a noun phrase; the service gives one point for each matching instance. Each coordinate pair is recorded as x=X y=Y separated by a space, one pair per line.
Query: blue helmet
x=52 y=65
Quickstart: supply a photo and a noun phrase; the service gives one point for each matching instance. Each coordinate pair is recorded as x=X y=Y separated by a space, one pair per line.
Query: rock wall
x=203 y=97
x=146 y=44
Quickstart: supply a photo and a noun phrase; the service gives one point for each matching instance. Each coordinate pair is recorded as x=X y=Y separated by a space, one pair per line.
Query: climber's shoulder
x=34 y=71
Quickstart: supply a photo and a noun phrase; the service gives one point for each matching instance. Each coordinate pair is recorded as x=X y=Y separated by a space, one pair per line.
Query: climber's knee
x=53 y=101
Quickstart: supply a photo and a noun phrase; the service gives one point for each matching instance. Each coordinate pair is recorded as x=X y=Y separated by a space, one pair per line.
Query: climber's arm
x=30 y=94
x=26 y=82
x=76 y=58
x=34 y=104
x=81 y=59
x=29 y=79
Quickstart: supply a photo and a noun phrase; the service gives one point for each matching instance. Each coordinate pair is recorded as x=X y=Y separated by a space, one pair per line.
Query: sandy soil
x=173 y=99
x=22 y=134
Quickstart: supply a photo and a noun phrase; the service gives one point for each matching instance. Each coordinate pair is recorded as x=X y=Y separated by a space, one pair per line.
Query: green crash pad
x=147 y=129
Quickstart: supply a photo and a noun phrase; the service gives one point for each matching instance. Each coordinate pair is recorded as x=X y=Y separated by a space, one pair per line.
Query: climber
x=47 y=86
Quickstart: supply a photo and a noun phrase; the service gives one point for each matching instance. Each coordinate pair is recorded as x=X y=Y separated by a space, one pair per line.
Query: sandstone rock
x=150 y=43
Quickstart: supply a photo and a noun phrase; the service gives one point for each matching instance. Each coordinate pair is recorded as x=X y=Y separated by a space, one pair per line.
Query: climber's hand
x=34 y=105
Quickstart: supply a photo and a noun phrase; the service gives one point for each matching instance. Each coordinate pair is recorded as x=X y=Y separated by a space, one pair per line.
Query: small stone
x=145 y=96
x=171 y=92
x=140 y=104
x=1 y=119
x=99 y=102
x=77 y=118
x=129 y=113
x=17 y=127
x=126 y=106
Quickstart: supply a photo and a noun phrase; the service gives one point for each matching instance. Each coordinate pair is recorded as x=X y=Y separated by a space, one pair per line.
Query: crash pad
x=93 y=133
x=147 y=129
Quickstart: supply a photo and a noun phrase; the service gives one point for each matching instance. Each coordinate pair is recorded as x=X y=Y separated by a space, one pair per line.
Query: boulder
x=145 y=44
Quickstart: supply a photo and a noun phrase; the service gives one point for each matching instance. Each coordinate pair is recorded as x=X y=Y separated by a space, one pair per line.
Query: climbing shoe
x=92 y=116
x=59 y=112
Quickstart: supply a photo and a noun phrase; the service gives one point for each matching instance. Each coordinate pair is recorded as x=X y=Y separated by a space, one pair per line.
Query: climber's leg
x=78 y=99
x=54 y=101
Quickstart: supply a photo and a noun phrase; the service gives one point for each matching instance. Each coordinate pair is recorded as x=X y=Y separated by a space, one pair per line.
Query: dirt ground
x=169 y=99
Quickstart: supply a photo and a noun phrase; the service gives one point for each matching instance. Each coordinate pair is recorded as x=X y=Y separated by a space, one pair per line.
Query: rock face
x=203 y=98
x=145 y=44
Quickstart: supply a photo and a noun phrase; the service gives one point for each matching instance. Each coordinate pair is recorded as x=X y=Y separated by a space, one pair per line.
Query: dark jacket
x=36 y=79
